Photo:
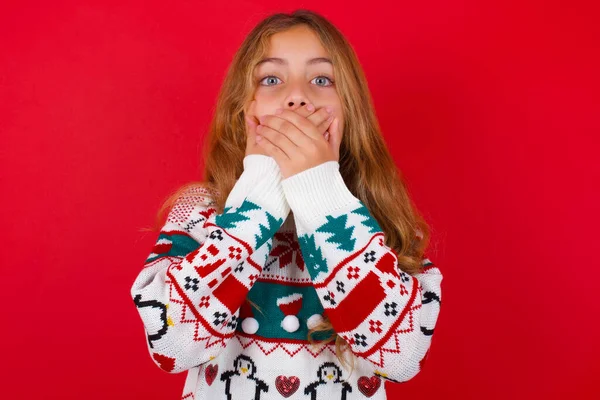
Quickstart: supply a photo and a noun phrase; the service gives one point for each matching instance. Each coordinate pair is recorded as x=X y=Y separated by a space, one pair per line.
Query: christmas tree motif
x=268 y=232
x=369 y=222
x=229 y=220
x=341 y=234
x=313 y=257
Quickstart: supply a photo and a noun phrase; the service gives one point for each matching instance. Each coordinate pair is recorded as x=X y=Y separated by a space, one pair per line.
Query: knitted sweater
x=300 y=248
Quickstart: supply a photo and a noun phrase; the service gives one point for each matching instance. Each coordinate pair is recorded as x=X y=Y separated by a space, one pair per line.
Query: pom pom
x=314 y=320
x=250 y=325
x=290 y=323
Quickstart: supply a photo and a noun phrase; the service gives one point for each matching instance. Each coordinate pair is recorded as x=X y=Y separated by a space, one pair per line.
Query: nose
x=296 y=96
x=295 y=103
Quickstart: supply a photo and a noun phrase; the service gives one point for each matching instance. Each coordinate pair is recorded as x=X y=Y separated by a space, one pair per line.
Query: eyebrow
x=282 y=61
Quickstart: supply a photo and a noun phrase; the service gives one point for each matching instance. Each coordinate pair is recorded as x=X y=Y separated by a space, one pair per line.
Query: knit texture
x=301 y=248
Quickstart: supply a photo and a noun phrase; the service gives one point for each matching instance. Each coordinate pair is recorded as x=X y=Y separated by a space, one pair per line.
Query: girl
x=297 y=269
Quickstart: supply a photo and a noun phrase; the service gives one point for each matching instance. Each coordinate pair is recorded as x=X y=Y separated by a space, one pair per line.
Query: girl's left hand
x=295 y=142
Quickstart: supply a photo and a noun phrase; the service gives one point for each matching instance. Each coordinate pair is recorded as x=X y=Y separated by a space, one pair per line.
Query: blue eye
x=318 y=77
x=326 y=77
x=268 y=76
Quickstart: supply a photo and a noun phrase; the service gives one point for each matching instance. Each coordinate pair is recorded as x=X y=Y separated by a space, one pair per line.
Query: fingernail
x=329 y=109
x=258 y=138
x=279 y=111
x=310 y=107
x=261 y=119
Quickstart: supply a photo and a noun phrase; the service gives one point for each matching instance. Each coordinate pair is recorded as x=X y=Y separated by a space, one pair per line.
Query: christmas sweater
x=300 y=248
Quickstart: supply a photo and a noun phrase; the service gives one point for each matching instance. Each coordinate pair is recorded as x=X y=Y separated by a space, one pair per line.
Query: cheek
x=265 y=102
x=265 y=107
x=337 y=107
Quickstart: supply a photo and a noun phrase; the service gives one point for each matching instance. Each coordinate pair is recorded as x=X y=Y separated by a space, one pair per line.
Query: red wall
x=491 y=111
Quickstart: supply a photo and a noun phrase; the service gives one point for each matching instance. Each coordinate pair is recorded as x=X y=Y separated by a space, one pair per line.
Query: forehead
x=298 y=43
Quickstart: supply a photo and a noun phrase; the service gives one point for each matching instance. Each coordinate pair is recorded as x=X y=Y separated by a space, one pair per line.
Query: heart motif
x=210 y=373
x=368 y=386
x=166 y=363
x=287 y=386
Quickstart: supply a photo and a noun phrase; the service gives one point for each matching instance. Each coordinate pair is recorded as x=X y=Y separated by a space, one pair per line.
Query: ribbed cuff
x=260 y=183
x=256 y=166
x=316 y=192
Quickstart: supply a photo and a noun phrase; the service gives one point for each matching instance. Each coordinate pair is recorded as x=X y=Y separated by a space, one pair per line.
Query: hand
x=252 y=147
x=296 y=143
x=251 y=123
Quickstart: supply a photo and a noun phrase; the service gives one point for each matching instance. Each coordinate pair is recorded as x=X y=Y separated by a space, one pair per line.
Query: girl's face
x=296 y=69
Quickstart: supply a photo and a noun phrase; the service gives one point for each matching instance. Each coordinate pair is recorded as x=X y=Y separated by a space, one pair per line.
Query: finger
x=318 y=118
x=250 y=134
x=286 y=129
x=304 y=125
x=273 y=151
x=325 y=125
x=335 y=136
x=305 y=110
x=251 y=126
x=251 y=123
x=251 y=120
x=277 y=139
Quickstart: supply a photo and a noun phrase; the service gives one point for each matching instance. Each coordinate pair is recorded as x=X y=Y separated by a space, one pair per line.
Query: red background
x=490 y=109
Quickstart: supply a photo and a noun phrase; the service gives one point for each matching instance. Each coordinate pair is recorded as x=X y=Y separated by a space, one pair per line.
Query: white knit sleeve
x=202 y=266
x=386 y=315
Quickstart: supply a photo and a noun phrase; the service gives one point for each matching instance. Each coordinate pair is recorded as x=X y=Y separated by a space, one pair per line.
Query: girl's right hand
x=317 y=117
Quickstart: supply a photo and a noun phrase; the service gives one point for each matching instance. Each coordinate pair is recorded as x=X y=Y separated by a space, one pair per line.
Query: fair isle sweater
x=300 y=248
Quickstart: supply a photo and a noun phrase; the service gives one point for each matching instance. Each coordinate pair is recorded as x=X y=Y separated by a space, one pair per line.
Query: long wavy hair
x=366 y=165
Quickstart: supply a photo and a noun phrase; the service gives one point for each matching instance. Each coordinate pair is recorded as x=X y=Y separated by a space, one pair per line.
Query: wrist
x=316 y=192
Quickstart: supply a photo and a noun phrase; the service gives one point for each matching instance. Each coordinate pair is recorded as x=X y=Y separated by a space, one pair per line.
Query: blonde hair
x=366 y=165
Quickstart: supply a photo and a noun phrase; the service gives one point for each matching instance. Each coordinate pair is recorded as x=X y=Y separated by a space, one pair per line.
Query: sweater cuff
x=255 y=167
x=260 y=183
x=316 y=192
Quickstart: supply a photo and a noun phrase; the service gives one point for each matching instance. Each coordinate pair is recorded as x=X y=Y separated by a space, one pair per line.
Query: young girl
x=297 y=269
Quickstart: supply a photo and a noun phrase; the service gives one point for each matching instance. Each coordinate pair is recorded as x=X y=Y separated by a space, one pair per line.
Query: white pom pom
x=250 y=325
x=290 y=323
x=314 y=320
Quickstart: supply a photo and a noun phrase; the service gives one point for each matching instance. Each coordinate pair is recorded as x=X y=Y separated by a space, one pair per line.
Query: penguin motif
x=241 y=383
x=429 y=297
x=329 y=381
x=153 y=306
